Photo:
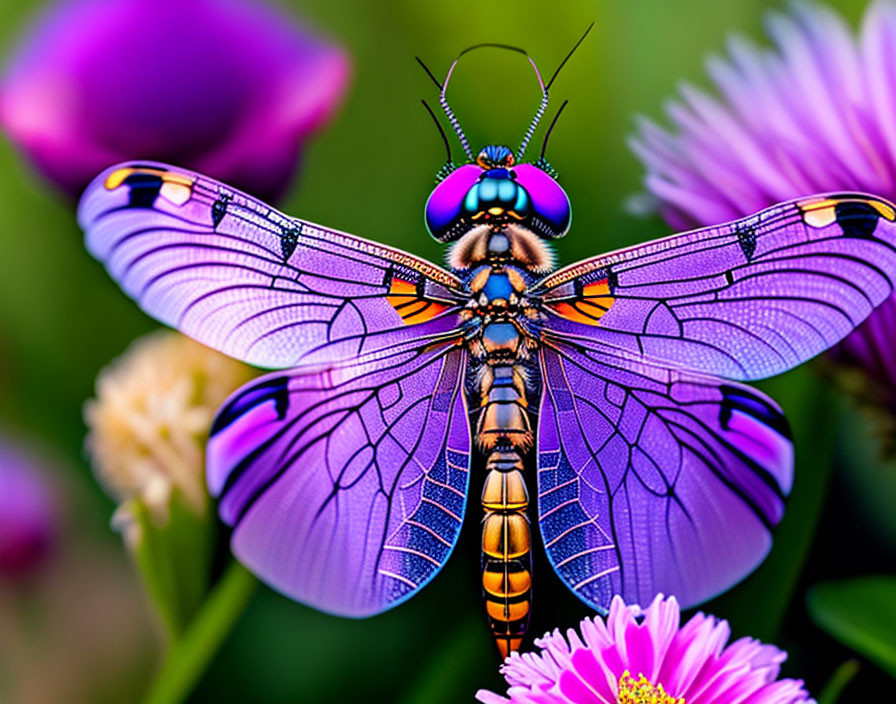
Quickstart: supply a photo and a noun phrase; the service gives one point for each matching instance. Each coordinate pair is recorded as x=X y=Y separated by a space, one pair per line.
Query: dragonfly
x=611 y=389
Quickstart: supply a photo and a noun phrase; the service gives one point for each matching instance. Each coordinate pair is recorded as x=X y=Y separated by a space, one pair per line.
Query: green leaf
x=173 y=557
x=861 y=614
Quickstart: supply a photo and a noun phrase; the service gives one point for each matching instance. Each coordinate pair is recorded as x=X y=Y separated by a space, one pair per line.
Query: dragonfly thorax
x=504 y=242
x=495 y=311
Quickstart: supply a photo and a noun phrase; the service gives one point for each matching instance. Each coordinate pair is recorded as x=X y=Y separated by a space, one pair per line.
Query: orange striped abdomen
x=504 y=433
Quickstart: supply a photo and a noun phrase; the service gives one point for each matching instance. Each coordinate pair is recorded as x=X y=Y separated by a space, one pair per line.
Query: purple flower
x=227 y=87
x=637 y=657
x=27 y=513
x=816 y=113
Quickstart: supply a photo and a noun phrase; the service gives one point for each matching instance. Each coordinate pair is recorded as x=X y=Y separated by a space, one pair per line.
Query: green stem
x=188 y=657
x=842 y=676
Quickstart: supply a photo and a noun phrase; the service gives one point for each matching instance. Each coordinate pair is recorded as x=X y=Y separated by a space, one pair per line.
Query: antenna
x=444 y=87
x=455 y=125
x=535 y=120
x=571 y=52
x=428 y=72
x=539 y=113
x=544 y=146
x=441 y=131
x=544 y=97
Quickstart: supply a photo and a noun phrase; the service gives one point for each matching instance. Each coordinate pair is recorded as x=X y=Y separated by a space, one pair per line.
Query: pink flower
x=639 y=657
x=231 y=88
x=27 y=513
x=816 y=113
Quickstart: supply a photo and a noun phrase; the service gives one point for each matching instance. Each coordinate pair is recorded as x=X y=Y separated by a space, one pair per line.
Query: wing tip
x=113 y=176
x=856 y=213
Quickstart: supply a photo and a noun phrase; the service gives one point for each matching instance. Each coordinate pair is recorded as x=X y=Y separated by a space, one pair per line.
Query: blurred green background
x=62 y=319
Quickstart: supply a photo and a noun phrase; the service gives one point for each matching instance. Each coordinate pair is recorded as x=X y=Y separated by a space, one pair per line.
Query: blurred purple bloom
x=645 y=657
x=27 y=513
x=816 y=113
x=230 y=88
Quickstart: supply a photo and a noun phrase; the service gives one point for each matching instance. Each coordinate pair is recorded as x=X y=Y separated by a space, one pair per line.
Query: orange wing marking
x=410 y=305
x=821 y=212
x=593 y=304
x=176 y=188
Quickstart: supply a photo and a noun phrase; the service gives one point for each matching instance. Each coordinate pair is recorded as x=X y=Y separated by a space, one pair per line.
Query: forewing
x=744 y=300
x=346 y=486
x=243 y=278
x=652 y=479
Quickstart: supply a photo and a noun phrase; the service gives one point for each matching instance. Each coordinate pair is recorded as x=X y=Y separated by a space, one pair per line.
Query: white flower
x=150 y=419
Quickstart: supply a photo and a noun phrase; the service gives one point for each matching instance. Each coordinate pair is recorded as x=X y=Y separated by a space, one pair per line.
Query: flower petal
x=691 y=661
x=102 y=81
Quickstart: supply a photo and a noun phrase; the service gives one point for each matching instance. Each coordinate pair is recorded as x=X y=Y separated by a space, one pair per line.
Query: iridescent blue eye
x=550 y=209
x=445 y=205
x=474 y=195
x=497 y=196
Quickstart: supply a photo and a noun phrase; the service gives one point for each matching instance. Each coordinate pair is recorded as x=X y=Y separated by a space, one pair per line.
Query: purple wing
x=744 y=300
x=652 y=479
x=346 y=486
x=241 y=277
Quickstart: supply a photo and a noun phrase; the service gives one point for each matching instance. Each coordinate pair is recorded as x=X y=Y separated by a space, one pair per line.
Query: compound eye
x=444 y=209
x=497 y=197
x=550 y=211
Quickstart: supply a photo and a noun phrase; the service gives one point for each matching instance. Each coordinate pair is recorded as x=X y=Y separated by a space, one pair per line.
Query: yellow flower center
x=641 y=691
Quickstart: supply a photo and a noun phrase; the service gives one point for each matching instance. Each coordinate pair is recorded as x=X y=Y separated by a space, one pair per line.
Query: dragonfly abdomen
x=504 y=434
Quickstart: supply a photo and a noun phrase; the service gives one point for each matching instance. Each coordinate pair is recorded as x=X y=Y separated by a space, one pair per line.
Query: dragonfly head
x=495 y=156
x=496 y=191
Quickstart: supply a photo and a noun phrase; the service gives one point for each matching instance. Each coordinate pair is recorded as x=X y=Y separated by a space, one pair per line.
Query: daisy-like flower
x=647 y=657
x=150 y=419
x=815 y=113
x=231 y=88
